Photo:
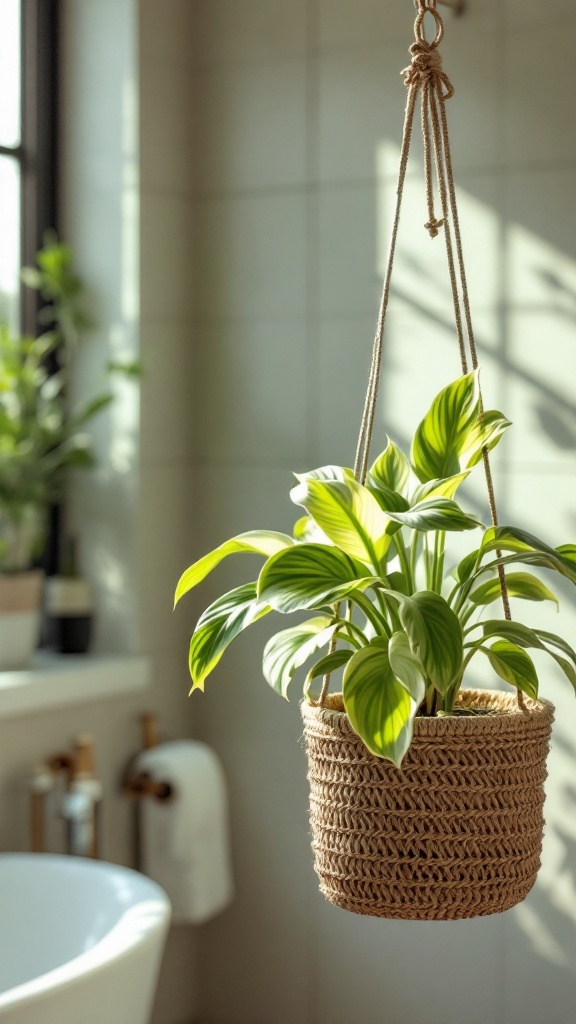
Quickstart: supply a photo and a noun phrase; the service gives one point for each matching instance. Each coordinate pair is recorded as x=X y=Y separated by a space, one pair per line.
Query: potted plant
x=426 y=797
x=41 y=439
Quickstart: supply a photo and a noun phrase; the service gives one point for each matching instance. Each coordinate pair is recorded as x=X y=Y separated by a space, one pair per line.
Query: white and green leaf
x=435 y=636
x=348 y=514
x=306 y=531
x=436 y=514
x=310 y=576
x=329 y=663
x=258 y=542
x=527 y=548
x=512 y=664
x=518 y=584
x=218 y=626
x=439 y=488
x=486 y=433
x=288 y=650
x=380 y=708
x=566 y=660
x=451 y=436
x=391 y=470
x=539 y=639
x=407 y=667
x=440 y=437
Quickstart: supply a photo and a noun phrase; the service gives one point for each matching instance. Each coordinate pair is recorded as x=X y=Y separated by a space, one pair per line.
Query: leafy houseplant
x=370 y=561
x=41 y=439
x=426 y=798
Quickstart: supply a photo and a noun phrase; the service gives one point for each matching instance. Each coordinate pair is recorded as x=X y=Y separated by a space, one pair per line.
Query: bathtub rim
x=120 y=943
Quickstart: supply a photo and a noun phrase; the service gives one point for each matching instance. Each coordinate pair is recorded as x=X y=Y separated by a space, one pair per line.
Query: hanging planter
x=426 y=797
x=456 y=833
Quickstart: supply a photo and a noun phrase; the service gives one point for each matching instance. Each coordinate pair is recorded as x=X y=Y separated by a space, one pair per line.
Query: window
x=28 y=146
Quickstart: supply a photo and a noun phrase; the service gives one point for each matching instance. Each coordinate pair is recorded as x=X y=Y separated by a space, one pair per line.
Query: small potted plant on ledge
x=426 y=797
x=41 y=439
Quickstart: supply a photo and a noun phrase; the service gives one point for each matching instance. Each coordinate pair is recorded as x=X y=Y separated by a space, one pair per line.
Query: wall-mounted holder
x=139 y=784
x=458 y=6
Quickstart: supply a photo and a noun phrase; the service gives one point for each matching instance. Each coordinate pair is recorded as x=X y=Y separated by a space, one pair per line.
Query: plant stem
x=366 y=606
x=357 y=637
x=417 y=538
x=428 y=564
x=402 y=555
x=438 y=566
x=467 y=586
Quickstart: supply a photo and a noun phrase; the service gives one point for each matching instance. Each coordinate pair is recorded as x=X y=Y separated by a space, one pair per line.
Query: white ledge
x=54 y=680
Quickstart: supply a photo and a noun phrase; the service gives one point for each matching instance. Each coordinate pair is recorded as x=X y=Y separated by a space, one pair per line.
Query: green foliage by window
x=41 y=436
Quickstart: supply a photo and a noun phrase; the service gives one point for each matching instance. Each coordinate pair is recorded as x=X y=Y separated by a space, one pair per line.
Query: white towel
x=184 y=841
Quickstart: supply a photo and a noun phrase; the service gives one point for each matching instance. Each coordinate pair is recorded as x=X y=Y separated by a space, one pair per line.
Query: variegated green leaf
x=554 y=643
x=567 y=551
x=348 y=514
x=512 y=664
x=440 y=437
x=435 y=637
x=388 y=499
x=436 y=514
x=465 y=568
x=329 y=663
x=324 y=473
x=218 y=626
x=439 y=488
x=407 y=667
x=451 y=436
x=397 y=581
x=306 y=531
x=507 y=629
x=259 y=542
x=539 y=639
x=379 y=707
x=485 y=434
x=391 y=470
x=527 y=548
x=518 y=584
x=288 y=650
x=308 y=576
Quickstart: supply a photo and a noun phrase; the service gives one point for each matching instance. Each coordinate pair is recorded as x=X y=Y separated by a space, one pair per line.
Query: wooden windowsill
x=55 y=680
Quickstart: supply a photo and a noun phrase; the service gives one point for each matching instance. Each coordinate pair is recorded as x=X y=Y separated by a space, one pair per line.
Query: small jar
x=69 y=609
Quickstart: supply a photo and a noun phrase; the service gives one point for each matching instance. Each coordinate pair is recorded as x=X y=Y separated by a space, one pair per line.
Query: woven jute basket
x=455 y=833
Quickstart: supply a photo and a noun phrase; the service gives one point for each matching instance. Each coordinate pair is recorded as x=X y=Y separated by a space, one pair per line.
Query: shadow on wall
x=523 y=295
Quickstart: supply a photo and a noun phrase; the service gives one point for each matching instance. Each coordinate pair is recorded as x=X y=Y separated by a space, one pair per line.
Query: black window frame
x=39 y=148
x=37 y=155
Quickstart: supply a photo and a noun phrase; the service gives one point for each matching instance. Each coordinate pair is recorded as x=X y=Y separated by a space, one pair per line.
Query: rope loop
x=423 y=10
x=426 y=65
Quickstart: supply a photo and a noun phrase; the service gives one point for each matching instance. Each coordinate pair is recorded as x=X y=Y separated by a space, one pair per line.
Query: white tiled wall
x=300 y=108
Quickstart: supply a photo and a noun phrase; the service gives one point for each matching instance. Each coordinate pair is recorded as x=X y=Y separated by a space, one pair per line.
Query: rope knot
x=426 y=69
x=433 y=226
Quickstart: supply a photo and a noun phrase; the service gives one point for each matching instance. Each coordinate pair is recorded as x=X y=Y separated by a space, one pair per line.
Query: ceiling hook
x=458 y=6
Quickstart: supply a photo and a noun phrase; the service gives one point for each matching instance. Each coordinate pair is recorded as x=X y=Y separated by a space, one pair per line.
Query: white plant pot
x=20 y=605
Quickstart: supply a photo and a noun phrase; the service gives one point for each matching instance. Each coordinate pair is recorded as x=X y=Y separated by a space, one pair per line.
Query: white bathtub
x=80 y=941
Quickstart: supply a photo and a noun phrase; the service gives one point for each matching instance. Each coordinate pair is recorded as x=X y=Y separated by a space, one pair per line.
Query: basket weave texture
x=455 y=833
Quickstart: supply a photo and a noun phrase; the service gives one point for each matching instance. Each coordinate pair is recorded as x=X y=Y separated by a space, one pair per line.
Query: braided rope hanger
x=425 y=76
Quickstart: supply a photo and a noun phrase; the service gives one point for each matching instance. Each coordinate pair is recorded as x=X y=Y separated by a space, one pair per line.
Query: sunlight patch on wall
x=523 y=299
